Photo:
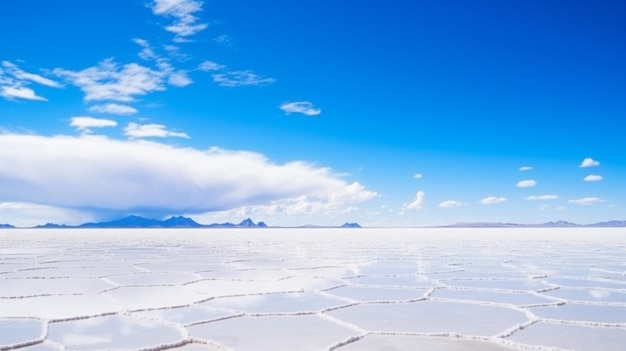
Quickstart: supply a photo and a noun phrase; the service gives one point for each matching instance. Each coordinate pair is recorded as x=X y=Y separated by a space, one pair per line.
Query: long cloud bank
x=99 y=174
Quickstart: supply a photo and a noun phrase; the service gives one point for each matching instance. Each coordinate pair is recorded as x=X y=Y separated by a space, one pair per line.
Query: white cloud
x=14 y=81
x=589 y=162
x=20 y=93
x=100 y=174
x=418 y=176
x=593 y=178
x=146 y=51
x=19 y=74
x=86 y=123
x=108 y=81
x=208 y=66
x=241 y=78
x=185 y=23
x=223 y=39
x=417 y=203
x=179 y=79
x=451 y=203
x=135 y=130
x=529 y=183
x=304 y=107
x=492 y=200
x=586 y=201
x=541 y=197
x=115 y=109
x=525 y=168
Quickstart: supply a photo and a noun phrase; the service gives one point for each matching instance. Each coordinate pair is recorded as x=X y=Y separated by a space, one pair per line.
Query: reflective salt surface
x=313 y=289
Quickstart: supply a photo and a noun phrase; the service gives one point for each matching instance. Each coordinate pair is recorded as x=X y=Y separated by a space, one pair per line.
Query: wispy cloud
x=303 y=107
x=418 y=176
x=162 y=179
x=587 y=201
x=417 y=203
x=589 y=162
x=109 y=81
x=541 y=197
x=151 y=130
x=241 y=78
x=185 y=22
x=451 y=204
x=223 y=39
x=529 y=183
x=114 y=109
x=490 y=200
x=85 y=124
x=14 y=81
x=208 y=66
x=525 y=168
x=593 y=178
x=147 y=53
x=19 y=74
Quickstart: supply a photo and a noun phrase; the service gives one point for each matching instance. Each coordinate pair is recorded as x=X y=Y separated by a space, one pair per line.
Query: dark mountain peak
x=350 y=225
x=247 y=223
x=6 y=226
x=261 y=225
x=180 y=222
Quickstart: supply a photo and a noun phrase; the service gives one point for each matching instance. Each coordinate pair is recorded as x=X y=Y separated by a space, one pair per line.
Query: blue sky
x=409 y=113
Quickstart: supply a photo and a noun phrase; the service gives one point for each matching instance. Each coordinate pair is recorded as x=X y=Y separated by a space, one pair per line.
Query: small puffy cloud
x=525 y=168
x=541 y=197
x=151 y=130
x=109 y=81
x=593 y=178
x=587 y=201
x=490 y=200
x=118 y=177
x=241 y=78
x=589 y=162
x=418 y=176
x=451 y=204
x=417 y=203
x=85 y=124
x=179 y=79
x=208 y=66
x=146 y=51
x=185 y=22
x=20 y=93
x=303 y=107
x=529 y=183
x=114 y=109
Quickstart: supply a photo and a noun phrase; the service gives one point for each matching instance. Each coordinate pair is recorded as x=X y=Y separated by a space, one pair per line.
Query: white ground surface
x=313 y=289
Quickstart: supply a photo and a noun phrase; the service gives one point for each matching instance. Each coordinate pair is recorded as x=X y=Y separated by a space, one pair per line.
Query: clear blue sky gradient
x=462 y=92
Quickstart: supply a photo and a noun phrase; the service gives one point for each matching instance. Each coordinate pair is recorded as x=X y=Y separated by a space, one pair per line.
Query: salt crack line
x=345 y=342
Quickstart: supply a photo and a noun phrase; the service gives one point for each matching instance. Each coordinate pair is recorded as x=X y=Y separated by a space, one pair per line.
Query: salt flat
x=313 y=289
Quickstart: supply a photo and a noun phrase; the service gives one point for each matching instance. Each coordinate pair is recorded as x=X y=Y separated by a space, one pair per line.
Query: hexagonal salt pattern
x=313 y=289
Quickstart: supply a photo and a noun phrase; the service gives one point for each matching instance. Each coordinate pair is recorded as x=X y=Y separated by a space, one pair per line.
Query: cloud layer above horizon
x=99 y=174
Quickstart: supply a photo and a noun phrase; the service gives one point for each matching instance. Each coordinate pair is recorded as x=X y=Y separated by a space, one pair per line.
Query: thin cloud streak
x=151 y=130
x=303 y=107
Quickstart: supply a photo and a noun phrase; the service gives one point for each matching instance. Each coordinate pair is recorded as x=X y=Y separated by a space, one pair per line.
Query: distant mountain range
x=185 y=222
x=172 y=222
x=557 y=224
